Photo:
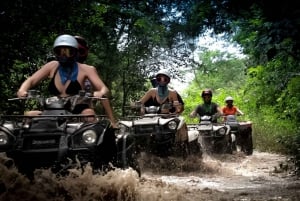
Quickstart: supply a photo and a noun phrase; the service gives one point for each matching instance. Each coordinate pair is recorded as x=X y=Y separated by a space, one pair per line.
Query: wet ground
x=261 y=176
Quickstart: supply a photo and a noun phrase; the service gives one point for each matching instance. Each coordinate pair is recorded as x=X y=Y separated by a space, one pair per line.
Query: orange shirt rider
x=230 y=109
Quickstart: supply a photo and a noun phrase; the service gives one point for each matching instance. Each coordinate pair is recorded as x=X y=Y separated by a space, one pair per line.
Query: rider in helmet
x=83 y=51
x=229 y=108
x=180 y=100
x=65 y=49
x=67 y=76
x=161 y=94
x=208 y=107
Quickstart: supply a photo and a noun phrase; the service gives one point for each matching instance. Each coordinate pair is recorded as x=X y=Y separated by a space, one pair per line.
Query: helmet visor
x=64 y=51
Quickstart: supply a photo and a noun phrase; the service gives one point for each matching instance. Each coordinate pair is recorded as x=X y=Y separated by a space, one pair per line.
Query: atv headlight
x=172 y=125
x=89 y=136
x=3 y=138
x=222 y=131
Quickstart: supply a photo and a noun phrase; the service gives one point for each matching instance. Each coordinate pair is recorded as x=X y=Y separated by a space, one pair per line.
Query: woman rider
x=66 y=74
x=161 y=94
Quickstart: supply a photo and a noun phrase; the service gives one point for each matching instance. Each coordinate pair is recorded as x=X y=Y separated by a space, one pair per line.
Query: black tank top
x=153 y=102
x=73 y=88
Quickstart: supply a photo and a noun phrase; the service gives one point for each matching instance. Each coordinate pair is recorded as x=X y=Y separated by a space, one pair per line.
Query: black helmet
x=206 y=92
x=83 y=49
x=153 y=82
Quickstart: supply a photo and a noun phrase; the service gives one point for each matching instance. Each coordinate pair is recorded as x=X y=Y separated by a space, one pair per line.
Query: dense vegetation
x=131 y=39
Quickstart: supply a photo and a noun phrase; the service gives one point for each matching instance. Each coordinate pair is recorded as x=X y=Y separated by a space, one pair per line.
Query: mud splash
x=219 y=177
x=118 y=185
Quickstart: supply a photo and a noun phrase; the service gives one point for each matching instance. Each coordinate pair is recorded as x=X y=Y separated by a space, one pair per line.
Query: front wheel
x=246 y=142
x=195 y=148
x=247 y=147
x=222 y=146
x=127 y=154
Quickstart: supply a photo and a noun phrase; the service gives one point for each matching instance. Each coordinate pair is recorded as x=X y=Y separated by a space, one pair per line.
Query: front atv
x=56 y=139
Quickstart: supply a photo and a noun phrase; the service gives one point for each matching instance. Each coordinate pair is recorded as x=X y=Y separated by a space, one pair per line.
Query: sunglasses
x=64 y=51
x=162 y=79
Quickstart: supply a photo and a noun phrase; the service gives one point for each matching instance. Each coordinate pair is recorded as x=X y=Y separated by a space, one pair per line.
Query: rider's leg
x=33 y=113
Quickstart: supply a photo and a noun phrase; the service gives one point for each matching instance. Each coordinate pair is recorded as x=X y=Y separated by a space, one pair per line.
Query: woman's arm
x=43 y=73
x=239 y=112
x=175 y=102
x=147 y=96
x=100 y=89
x=193 y=114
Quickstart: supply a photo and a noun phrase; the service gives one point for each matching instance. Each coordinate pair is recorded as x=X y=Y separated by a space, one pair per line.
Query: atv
x=154 y=133
x=213 y=137
x=56 y=138
x=242 y=130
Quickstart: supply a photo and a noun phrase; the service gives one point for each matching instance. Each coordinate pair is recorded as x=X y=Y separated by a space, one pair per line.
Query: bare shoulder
x=86 y=66
x=87 y=69
x=50 y=65
x=173 y=92
x=48 y=69
x=152 y=90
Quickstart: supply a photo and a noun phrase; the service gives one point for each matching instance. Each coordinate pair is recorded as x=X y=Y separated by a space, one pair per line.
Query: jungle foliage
x=131 y=39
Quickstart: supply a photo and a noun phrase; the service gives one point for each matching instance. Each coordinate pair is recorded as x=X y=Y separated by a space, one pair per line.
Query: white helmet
x=228 y=98
x=163 y=72
x=65 y=40
x=69 y=55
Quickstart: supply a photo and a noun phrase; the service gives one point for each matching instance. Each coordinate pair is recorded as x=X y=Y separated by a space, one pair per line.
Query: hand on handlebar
x=22 y=94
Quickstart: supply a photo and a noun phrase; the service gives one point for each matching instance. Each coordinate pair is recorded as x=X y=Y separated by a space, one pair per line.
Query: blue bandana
x=163 y=92
x=68 y=73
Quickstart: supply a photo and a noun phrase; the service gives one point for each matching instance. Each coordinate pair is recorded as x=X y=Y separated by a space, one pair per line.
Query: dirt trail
x=215 y=178
x=261 y=176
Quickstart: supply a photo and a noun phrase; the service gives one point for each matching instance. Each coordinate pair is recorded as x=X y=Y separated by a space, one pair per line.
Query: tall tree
x=122 y=36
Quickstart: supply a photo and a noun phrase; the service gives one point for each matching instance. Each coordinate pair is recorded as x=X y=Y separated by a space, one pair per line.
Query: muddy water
x=262 y=176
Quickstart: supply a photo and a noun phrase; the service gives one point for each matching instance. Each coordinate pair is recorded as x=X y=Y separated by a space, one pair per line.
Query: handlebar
x=34 y=94
x=58 y=102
